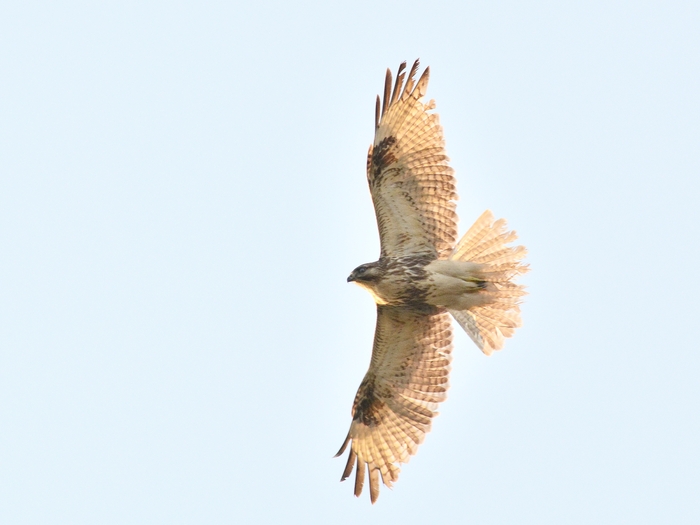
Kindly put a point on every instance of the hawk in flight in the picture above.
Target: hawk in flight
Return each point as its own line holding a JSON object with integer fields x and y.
{"x": 423, "y": 276}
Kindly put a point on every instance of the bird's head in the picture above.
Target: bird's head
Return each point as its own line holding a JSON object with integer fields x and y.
{"x": 366, "y": 273}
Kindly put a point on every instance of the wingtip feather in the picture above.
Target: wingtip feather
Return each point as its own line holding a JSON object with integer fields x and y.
{"x": 376, "y": 114}
{"x": 422, "y": 85}
{"x": 359, "y": 477}
{"x": 387, "y": 91}
{"x": 349, "y": 465}
{"x": 373, "y": 485}
{"x": 399, "y": 82}
{"x": 343, "y": 446}
{"x": 408, "y": 87}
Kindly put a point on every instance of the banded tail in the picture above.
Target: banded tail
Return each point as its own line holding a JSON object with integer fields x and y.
{"x": 486, "y": 244}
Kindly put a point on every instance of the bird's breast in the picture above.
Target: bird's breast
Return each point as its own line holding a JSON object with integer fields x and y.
{"x": 405, "y": 281}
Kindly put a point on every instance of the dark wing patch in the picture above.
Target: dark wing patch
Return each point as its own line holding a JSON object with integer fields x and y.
{"x": 368, "y": 402}
{"x": 382, "y": 156}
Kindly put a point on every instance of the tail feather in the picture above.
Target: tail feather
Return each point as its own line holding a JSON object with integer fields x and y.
{"x": 500, "y": 255}
{"x": 485, "y": 243}
{"x": 478, "y": 238}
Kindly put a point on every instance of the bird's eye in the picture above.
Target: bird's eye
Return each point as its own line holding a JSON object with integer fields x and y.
{"x": 361, "y": 269}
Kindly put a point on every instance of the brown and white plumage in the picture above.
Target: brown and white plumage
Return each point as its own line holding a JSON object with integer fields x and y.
{"x": 421, "y": 277}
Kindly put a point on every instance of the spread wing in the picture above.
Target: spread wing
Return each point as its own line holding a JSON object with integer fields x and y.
{"x": 412, "y": 185}
{"x": 398, "y": 397}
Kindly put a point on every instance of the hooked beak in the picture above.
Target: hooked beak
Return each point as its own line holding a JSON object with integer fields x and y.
{"x": 351, "y": 277}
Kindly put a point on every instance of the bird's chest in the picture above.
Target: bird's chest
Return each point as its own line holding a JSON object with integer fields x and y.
{"x": 405, "y": 282}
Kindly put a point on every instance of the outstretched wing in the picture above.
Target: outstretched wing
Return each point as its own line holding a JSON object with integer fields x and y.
{"x": 412, "y": 185}
{"x": 398, "y": 397}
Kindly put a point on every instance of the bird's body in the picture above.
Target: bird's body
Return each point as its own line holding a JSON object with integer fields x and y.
{"x": 423, "y": 280}
{"x": 421, "y": 277}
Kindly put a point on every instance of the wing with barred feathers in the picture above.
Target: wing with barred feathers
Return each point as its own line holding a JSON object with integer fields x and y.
{"x": 398, "y": 397}
{"x": 412, "y": 185}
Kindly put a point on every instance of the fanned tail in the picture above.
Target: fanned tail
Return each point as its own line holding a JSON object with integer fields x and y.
{"x": 486, "y": 243}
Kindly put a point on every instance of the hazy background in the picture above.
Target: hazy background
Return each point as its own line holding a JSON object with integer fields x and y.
{"x": 183, "y": 196}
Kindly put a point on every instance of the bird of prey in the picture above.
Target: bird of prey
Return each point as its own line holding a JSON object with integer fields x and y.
{"x": 421, "y": 278}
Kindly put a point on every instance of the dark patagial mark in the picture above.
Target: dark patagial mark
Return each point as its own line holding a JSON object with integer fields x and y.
{"x": 369, "y": 159}
{"x": 382, "y": 156}
{"x": 367, "y": 405}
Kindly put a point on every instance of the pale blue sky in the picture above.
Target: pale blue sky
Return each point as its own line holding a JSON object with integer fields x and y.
{"x": 183, "y": 196}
